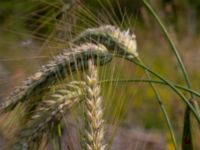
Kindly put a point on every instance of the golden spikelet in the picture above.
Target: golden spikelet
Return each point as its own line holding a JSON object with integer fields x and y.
{"x": 62, "y": 64}
{"x": 120, "y": 42}
{"x": 94, "y": 131}
{"x": 115, "y": 40}
{"x": 48, "y": 115}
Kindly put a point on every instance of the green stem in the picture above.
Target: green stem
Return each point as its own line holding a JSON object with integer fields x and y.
{"x": 187, "y": 140}
{"x": 171, "y": 43}
{"x": 59, "y": 136}
{"x": 162, "y": 106}
{"x": 184, "y": 72}
{"x": 153, "y": 81}
{"x": 53, "y": 144}
{"x": 131, "y": 59}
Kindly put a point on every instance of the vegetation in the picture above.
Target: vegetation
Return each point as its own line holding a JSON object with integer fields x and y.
{"x": 93, "y": 34}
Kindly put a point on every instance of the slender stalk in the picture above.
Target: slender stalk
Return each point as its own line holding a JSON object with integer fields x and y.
{"x": 53, "y": 144}
{"x": 195, "y": 93}
{"x": 184, "y": 72}
{"x": 130, "y": 58}
{"x": 187, "y": 140}
{"x": 59, "y": 136}
{"x": 171, "y": 43}
{"x": 162, "y": 106}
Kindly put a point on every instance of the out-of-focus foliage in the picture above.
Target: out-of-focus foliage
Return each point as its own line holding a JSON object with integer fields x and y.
{"x": 31, "y": 15}
{"x": 183, "y": 15}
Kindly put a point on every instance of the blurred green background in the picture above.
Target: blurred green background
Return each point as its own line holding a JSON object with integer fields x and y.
{"x": 32, "y": 31}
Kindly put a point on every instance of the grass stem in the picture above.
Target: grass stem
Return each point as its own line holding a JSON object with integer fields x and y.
{"x": 162, "y": 106}
{"x": 131, "y": 59}
{"x": 184, "y": 72}
{"x": 195, "y": 93}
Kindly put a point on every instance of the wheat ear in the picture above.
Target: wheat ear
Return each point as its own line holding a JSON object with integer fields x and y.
{"x": 62, "y": 65}
{"x": 48, "y": 114}
{"x": 93, "y": 131}
{"x": 115, "y": 40}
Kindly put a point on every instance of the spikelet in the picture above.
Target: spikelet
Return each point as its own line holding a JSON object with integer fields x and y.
{"x": 48, "y": 114}
{"x": 93, "y": 131}
{"x": 62, "y": 64}
{"x": 111, "y": 37}
{"x": 120, "y": 42}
